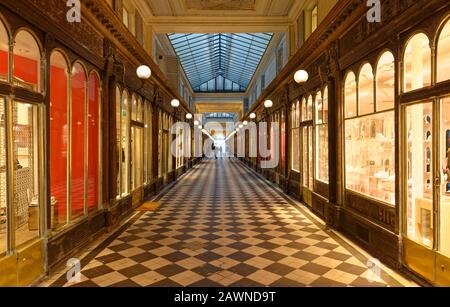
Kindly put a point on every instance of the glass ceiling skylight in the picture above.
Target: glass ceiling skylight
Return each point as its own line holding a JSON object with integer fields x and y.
{"x": 220, "y": 62}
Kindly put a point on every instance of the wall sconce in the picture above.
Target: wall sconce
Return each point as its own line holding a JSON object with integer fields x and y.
{"x": 252, "y": 116}
{"x": 189, "y": 116}
{"x": 144, "y": 72}
{"x": 268, "y": 104}
{"x": 175, "y": 103}
{"x": 301, "y": 76}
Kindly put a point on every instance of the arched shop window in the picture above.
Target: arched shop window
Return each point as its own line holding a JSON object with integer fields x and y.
{"x": 370, "y": 144}
{"x": 118, "y": 140}
{"x": 125, "y": 143}
{"x": 385, "y": 89}
{"x": 295, "y": 135}
{"x": 321, "y": 124}
{"x": 93, "y": 126}
{"x": 443, "y": 54}
{"x": 27, "y": 61}
{"x": 366, "y": 90}
{"x": 77, "y": 148}
{"x": 350, "y": 95}
{"x": 4, "y": 43}
{"x": 4, "y": 54}
{"x": 417, "y": 63}
{"x": 59, "y": 140}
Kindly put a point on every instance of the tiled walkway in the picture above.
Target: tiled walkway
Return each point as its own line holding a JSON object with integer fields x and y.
{"x": 221, "y": 225}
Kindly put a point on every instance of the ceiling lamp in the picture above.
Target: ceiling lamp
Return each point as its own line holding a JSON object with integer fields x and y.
{"x": 253, "y": 116}
{"x": 144, "y": 72}
{"x": 301, "y": 76}
{"x": 189, "y": 116}
{"x": 175, "y": 103}
{"x": 241, "y": 126}
{"x": 268, "y": 104}
{"x": 200, "y": 127}
{"x": 245, "y": 123}
{"x": 237, "y": 129}
{"x": 196, "y": 123}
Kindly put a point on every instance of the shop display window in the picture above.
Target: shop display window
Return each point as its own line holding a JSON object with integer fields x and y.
{"x": 4, "y": 59}
{"x": 385, "y": 89}
{"x": 321, "y": 123}
{"x": 445, "y": 176}
{"x": 137, "y": 141}
{"x": 370, "y": 138}
{"x": 118, "y": 141}
{"x": 77, "y": 150}
{"x": 125, "y": 146}
{"x": 417, "y": 63}
{"x": 147, "y": 142}
{"x": 350, "y": 95}
{"x": 3, "y": 183}
{"x": 419, "y": 121}
{"x": 295, "y": 134}
{"x": 27, "y": 60}
{"x": 26, "y": 172}
{"x": 366, "y": 90}
{"x": 443, "y": 54}
{"x": 93, "y": 183}
{"x": 370, "y": 156}
{"x": 59, "y": 140}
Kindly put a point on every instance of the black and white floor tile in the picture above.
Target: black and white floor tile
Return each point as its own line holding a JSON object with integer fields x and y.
{"x": 222, "y": 225}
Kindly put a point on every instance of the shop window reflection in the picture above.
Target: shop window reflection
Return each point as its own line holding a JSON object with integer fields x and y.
{"x": 26, "y": 172}
{"x": 295, "y": 135}
{"x": 417, "y": 63}
{"x": 350, "y": 95}
{"x": 27, "y": 60}
{"x": 419, "y": 180}
{"x": 366, "y": 90}
{"x": 93, "y": 183}
{"x": 321, "y": 134}
{"x": 125, "y": 146}
{"x": 3, "y": 183}
{"x": 59, "y": 139}
{"x": 445, "y": 176}
{"x": 77, "y": 149}
{"x": 118, "y": 141}
{"x": 4, "y": 59}
{"x": 443, "y": 54}
{"x": 385, "y": 90}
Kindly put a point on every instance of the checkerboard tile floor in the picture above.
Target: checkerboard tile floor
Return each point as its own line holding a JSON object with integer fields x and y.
{"x": 221, "y": 225}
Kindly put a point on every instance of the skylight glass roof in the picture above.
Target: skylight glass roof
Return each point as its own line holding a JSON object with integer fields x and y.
{"x": 220, "y": 62}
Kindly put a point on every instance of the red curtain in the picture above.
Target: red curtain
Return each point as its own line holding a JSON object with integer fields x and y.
{"x": 58, "y": 139}
{"x": 77, "y": 132}
{"x": 93, "y": 141}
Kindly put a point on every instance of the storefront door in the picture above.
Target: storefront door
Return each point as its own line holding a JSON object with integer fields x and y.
{"x": 426, "y": 189}
{"x": 22, "y": 248}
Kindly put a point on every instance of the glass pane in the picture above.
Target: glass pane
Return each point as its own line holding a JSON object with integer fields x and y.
{"x": 118, "y": 140}
{"x": 325, "y": 105}
{"x": 366, "y": 90}
{"x": 419, "y": 169}
{"x": 26, "y": 172}
{"x": 310, "y": 108}
{"x": 443, "y": 54}
{"x": 417, "y": 63}
{"x": 370, "y": 156}
{"x": 125, "y": 134}
{"x": 296, "y": 149}
{"x": 134, "y": 108}
{"x": 3, "y": 184}
{"x": 4, "y": 43}
{"x": 385, "y": 82}
{"x": 322, "y": 153}
{"x": 305, "y": 156}
{"x": 350, "y": 95}
{"x": 93, "y": 142}
{"x": 59, "y": 138}
{"x": 304, "y": 112}
{"x": 310, "y": 158}
{"x": 137, "y": 157}
{"x": 139, "y": 111}
{"x": 27, "y": 59}
{"x": 319, "y": 109}
{"x": 445, "y": 167}
{"x": 78, "y": 142}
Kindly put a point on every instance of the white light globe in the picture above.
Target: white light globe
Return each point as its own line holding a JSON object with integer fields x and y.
{"x": 241, "y": 126}
{"x": 189, "y": 116}
{"x": 237, "y": 129}
{"x": 196, "y": 123}
{"x": 301, "y": 76}
{"x": 144, "y": 72}
{"x": 200, "y": 127}
{"x": 175, "y": 103}
{"x": 253, "y": 116}
{"x": 268, "y": 103}
{"x": 245, "y": 123}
